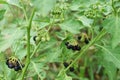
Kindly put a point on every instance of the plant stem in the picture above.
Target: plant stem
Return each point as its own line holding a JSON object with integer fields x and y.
{"x": 35, "y": 50}
{"x": 28, "y": 45}
{"x": 112, "y": 3}
{"x": 101, "y": 34}
{"x": 24, "y": 11}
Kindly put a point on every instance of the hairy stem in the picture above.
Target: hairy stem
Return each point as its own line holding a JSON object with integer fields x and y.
{"x": 28, "y": 45}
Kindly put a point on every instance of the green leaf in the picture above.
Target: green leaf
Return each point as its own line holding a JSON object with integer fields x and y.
{"x": 112, "y": 25}
{"x": 75, "y": 5}
{"x": 81, "y": 4}
{"x": 12, "y": 35}
{"x": 2, "y": 12}
{"x": 111, "y": 55}
{"x": 110, "y": 59}
{"x": 110, "y": 70}
{"x": 49, "y": 44}
{"x": 56, "y": 52}
{"x": 21, "y": 53}
{"x": 116, "y": 36}
{"x": 71, "y": 25}
{"x": 43, "y": 24}
{"x": 39, "y": 70}
{"x": 44, "y": 6}
{"x": 85, "y": 21}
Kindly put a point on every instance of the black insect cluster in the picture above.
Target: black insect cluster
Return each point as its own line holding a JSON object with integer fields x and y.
{"x": 76, "y": 44}
{"x": 73, "y": 47}
{"x": 13, "y": 63}
{"x": 86, "y": 40}
{"x": 66, "y": 65}
{"x": 34, "y": 38}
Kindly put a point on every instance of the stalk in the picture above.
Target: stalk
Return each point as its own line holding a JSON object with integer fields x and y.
{"x": 28, "y": 45}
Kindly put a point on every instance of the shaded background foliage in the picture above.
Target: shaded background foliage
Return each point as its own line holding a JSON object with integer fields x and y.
{"x": 62, "y": 20}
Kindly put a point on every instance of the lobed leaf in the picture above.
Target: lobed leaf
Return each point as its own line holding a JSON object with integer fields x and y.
{"x": 112, "y": 25}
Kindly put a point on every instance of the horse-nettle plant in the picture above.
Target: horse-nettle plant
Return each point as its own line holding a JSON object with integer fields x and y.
{"x": 59, "y": 39}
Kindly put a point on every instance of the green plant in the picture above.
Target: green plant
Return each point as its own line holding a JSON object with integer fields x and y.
{"x": 59, "y": 39}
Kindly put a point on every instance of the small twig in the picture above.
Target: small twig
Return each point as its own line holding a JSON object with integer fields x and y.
{"x": 35, "y": 50}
